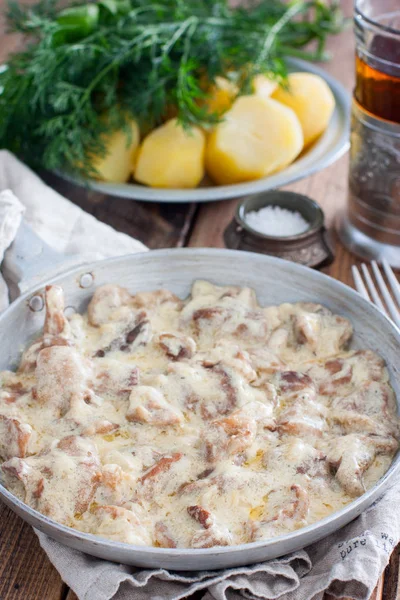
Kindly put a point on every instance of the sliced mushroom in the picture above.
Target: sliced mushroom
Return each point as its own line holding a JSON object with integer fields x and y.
{"x": 228, "y": 436}
{"x": 148, "y": 405}
{"x": 15, "y": 437}
{"x": 177, "y": 347}
{"x": 106, "y": 303}
{"x": 42, "y": 478}
{"x": 61, "y": 373}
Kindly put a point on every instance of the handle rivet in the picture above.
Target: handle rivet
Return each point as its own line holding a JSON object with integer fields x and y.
{"x": 86, "y": 280}
{"x": 36, "y": 303}
{"x": 69, "y": 311}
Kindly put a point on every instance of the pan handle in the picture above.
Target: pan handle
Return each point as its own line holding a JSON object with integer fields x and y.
{"x": 29, "y": 261}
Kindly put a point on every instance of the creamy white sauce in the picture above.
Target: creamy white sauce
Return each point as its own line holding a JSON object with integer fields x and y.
{"x": 209, "y": 421}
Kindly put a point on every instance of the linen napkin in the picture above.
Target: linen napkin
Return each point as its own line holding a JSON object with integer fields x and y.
{"x": 348, "y": 563}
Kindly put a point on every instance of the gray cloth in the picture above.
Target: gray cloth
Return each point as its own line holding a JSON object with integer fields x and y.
{"x": 347, "y": 563}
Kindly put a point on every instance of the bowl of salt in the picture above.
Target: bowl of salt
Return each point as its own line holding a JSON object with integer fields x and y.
{"x": 283, "y": 224}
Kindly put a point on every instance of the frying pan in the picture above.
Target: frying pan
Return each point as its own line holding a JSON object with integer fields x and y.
{"x": 275, "y": 281}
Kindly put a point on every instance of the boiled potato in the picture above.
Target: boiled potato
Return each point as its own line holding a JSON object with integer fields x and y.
{"x": 116, "y": 165}
{"x": 221, "y": 95}
{"x": 171, "y": 157}
{"x": 257, "y": 137}
{"x": 311, "y": 99}
{"x": 264, "y": 86}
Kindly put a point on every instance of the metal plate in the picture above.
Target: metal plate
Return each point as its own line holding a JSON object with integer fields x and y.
{"x": 329, "y": 147}
{"x": 275, "y": 281}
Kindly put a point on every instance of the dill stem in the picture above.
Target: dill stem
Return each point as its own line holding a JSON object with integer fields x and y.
{"x": 137, "y": 64}
{"x": 275, "y": 29}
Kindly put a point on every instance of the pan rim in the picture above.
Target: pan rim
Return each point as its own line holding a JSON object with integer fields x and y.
{"x": 362, "y": 501}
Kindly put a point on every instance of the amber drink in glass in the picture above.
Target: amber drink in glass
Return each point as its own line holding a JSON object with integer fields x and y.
{"x": 371, "y": 224}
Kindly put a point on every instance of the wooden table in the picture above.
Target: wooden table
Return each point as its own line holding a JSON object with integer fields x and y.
{"x": 25, "y": 571}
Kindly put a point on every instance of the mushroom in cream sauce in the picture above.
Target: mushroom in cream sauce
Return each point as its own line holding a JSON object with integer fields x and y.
{"x": 205, "y": 422}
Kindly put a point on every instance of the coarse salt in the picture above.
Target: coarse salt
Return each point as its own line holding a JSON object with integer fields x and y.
{"x": 277, "y": 221}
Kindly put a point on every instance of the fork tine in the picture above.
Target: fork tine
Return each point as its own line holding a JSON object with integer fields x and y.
{"x": 358, "y": 282}
{"x": 394, "y": 284}
{"x": 394, "y": 313}
{"x": 372, "y": 289}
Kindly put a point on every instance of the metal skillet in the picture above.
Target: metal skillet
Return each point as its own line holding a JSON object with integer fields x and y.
{"x": 275, "y": 281}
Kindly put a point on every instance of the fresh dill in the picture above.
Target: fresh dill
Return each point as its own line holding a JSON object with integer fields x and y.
{"x": 134, "y": 59}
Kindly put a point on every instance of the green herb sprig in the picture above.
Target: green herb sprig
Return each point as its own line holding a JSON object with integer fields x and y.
{"x": 88, "y": 69}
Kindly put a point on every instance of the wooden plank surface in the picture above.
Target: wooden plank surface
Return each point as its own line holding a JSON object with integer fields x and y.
{"x": 25, "y": 571}
{"x": 156, "y": 225}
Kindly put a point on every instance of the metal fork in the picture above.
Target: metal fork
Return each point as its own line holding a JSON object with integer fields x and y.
{"x": 390, "y": 310}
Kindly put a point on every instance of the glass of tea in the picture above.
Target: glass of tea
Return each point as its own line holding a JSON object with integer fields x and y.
{"x": 371, "y": 224}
